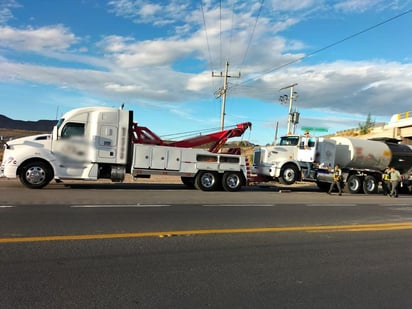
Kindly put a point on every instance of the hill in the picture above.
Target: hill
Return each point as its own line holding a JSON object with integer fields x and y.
{"x": 40, "y": 125}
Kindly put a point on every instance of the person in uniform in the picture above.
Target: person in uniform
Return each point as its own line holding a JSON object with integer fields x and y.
{"x": 386, "y": 184}
{"x": 395, "y": 179}
{"x": 337, "y": 178}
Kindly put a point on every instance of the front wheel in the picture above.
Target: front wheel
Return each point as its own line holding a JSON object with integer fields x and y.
{"x": 232, "y": 181}
{"x": 36, "y": 175}
{"x": 288, "y": 174}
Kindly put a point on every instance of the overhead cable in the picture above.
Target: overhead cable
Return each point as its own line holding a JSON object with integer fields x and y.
{"x": 326, "y": 47}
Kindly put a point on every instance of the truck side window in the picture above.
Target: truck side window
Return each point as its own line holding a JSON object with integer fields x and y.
{"x": 73, "y": 129}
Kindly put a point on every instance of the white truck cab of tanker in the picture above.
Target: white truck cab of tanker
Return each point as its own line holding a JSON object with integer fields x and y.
{"x": 293, "y": 158}
{"x": 80, "y": 139}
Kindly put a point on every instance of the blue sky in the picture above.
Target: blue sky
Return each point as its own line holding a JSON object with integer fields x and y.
{"x": 157, "y": 57}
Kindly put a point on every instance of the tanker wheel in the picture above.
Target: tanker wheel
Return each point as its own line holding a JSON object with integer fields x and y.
{"x": 289, "y": 174}
{"x": 207, "y": 181}
{"x": 35, "y": 175}
{"x": 189, "y": 182}
{"x": 232, "y": 181}
{"x": 370, "y": 185}
{"x": 354, "y": 184}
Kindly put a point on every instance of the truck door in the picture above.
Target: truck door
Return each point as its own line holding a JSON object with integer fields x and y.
{"x": 307, "y": 149}
{"x": 71, "y": 149}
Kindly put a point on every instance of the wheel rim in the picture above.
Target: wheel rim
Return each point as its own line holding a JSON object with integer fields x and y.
{"x": 354, "y": 184}
{"x": 207, "y": 180}
{"x": 289, "y": 175}
{"x": 370, "y": 185}
{"x": 233, "y": 181}
{"x": 35, "y": 175}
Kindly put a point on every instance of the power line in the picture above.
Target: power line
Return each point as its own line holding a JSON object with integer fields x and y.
{"x": 326, "y": 47}
{"x": 207, "y": 37}
{"x": 220, "y": 29}
{"x": 231, "y": 31}
{"x": 253, "y": 32}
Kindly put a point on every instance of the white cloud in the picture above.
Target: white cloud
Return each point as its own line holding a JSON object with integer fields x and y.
{"x": 6, "y": 7}
{"x": 40, "y": 39}
{"x": 146, "y": 70}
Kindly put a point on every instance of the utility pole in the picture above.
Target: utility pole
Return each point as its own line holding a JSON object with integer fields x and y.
{"x": 292, "y": 97}
{"x": 221, "y": 92}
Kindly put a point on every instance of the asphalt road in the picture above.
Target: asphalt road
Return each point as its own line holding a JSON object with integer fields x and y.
{"x": 162, "y": 246}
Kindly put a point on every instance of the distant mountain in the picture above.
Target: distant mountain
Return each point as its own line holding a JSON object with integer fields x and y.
{"x": 40, "y": 125}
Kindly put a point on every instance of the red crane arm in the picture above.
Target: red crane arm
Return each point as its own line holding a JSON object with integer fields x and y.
{"x": 143, "y": 135}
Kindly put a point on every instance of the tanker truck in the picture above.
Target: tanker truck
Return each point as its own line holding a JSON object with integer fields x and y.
{"x": 299, "y": 158}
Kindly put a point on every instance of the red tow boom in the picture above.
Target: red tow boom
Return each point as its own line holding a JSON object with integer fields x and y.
{"x": 143, "y": 135}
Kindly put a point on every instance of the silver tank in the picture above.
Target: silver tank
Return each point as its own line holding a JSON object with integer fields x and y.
{"x": 362, "y": 154}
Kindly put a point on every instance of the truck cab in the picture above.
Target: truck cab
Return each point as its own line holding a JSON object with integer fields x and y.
{"x": 92, "y": 143}
{"x": 86, "y": 143}
{"x": 295, "y": 157}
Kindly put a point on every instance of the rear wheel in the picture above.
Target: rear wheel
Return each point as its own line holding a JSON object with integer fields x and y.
{"x": 289, "y": 174}
{"x": 36, "y": 175}
{"x": 370, "y": 185}
{"x": 232, "y": 181}
{"x": 354, "y": 184}
{"x": 207, "y": 181}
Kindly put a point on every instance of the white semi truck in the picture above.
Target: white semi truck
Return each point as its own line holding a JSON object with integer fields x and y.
{"x": 362, "y": 161}
{"x": 101, "y": 142}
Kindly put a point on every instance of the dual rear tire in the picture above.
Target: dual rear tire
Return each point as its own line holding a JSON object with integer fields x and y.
{"x": 368, "y": 185}
{"x": 213, "y": 181}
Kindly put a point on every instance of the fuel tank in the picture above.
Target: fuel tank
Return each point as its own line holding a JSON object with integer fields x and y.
{"x": 362, "y": 154}
{"x": 401, "y": 157}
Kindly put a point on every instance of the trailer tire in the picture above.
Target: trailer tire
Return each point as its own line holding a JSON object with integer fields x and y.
{"x": 289, "y": 174}
{"x": 354, "y": 184}
{"x": 189, "y": 182}
{"x": 232, "y": 181}
{"x": 207, "y": 181}
{"x": 370, "y": 185}
{"x": 36, "y": 174}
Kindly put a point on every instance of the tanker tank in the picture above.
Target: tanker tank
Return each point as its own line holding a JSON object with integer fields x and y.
{"x": 362, "y": 154}
{"x": 401, "y": 157}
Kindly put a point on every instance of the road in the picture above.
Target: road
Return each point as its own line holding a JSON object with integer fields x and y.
{"x": 162, "y": 246}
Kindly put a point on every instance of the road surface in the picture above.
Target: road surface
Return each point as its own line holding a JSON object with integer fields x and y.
{"x": 163, "y": 246}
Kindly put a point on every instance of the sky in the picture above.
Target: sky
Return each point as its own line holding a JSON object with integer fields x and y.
{"x": 164, "y": 60}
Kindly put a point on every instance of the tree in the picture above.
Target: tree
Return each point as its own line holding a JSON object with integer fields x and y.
{"x": 366, "y": 127}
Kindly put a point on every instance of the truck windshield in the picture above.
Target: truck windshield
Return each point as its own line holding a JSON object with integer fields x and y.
{"x": 289, "y": 140}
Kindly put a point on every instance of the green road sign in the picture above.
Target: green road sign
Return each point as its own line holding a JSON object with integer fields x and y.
{"x": 314, "y": 129}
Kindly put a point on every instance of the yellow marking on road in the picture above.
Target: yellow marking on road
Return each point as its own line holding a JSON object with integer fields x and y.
{"x": 312, "y": 229}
